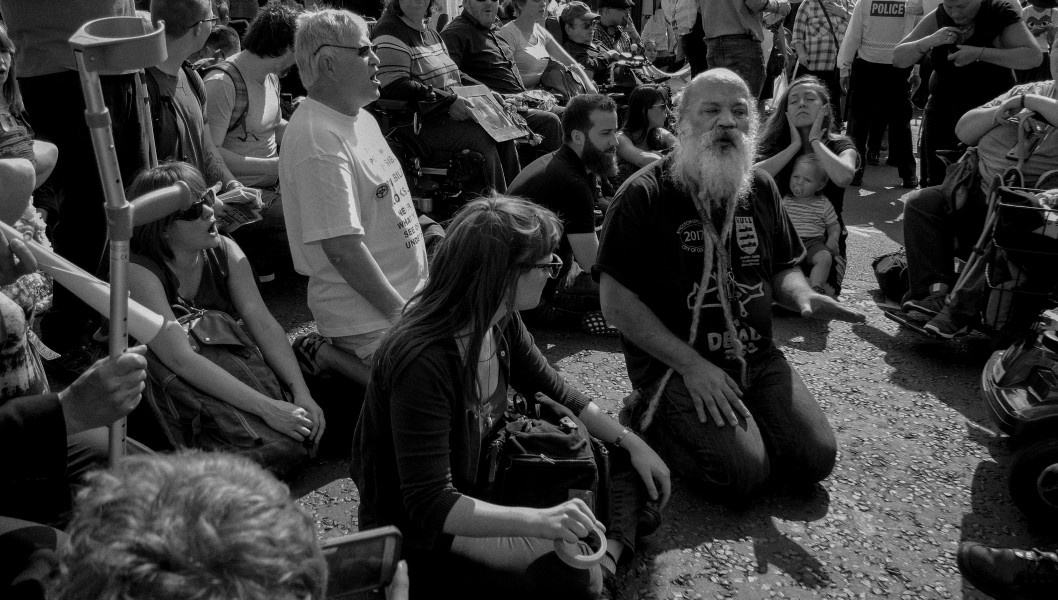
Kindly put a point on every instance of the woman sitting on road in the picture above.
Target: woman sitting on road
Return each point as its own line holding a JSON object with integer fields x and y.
{"x": 181, "y": 261}
{"x": 534, "y": 47}
{"x": 414, "y": 65}
{"x": 644, "y": 139}
{"x": 804, "y": 128}
{"x": 441, "y": 378}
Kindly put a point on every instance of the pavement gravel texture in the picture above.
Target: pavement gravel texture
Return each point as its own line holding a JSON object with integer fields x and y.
{"x": 921, "y": 466}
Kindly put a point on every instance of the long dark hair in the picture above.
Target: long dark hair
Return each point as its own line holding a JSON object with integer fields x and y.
{"x": 11, "y": 92}
{"x": 475, "y": 271}
{"x": 149, "y": 239}
{"x": 640, "y": 101}
{"x": 776, "y": 133}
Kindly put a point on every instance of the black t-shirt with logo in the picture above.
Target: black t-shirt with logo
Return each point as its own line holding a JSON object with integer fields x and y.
{"x": 653, "y": 244}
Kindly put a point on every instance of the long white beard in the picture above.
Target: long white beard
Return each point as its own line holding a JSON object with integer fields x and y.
{"x": 716, "y": 165}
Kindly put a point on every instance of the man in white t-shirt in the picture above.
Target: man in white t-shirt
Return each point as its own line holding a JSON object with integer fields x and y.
{"x": 350, "y": 221}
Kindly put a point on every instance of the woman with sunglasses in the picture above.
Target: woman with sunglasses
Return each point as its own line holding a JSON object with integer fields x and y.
{"x": 182, "y": 261}
{"x": 441, "y": 379}
{"x": 644, "y": 139}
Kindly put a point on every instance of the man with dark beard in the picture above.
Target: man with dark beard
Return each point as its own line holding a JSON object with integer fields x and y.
{"x": 720, "y": 404}
{"x": 565, "y": 182}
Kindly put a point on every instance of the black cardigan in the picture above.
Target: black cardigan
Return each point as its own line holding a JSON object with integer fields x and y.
{"x": 417, "y": 445}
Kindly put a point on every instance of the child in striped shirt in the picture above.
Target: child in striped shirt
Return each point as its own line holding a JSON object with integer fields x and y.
{"x": 814, "y": 219}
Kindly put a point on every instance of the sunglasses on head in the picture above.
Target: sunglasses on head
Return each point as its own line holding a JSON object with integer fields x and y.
{"x": 194, "y": 212}
{"x": 553, "y": 268}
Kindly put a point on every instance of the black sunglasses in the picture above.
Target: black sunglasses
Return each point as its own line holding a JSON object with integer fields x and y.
{"x": 194, "y": 212}
{"x": 553, "y": 268}
{"x": 361, "y": 51}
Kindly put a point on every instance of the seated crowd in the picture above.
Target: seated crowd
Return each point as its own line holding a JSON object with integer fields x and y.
{"x": 674, "y": 221}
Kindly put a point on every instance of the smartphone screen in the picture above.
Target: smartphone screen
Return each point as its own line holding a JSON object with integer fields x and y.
{"x": 361, "y": 561}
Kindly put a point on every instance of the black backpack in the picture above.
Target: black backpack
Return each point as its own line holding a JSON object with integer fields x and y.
{"x": 542, "y": 462}
{"x": 891, "y": 272}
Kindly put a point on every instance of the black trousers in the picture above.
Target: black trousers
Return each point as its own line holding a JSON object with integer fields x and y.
{"x": 55, "y": 104}
{"x": 880, "y": 96}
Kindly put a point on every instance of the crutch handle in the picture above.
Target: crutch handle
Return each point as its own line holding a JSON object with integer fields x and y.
{"x": 115, "y": 45}
{"x": 160, "y": 203}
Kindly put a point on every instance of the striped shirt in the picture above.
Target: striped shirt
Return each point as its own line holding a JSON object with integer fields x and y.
{"x": 407, "y": 49}
{"x": 810, "y": 216}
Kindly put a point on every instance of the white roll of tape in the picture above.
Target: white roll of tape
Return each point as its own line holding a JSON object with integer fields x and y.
{"x": 571, "y": 553}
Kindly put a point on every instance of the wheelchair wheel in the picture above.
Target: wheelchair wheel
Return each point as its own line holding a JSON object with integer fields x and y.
{"x": 1034, "y": 480}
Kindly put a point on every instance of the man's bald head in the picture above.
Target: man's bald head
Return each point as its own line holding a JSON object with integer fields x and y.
{"x": 718, "y": 80}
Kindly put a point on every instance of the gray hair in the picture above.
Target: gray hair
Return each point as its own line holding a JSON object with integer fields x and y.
{"x": 318, "y": 27}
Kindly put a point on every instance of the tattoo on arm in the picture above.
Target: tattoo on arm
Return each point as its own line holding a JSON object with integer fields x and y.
{"x": 214, "y": 168}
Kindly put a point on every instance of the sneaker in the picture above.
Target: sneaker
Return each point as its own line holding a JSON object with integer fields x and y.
{"x": 930, "y": 305}
{"x": 1002, "y": 573}
{"x": 944, "y": 326}
{"x": 857, "y": 179}
{"x": 874, "y": 158}
{"x": 910, "y": 183}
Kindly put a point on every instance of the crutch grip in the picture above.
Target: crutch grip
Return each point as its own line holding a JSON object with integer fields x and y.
{"x": 160, "y": 203}
{"x": 114, "y": 45}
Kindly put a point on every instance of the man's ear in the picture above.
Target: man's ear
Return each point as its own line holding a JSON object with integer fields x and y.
{"x": 577, "y": 137}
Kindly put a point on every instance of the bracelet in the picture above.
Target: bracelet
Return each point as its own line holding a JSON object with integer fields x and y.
{"x": 919, "y": 48}
{"x": 620, "y": 436}
{"x": 814, "y": 140}
{"x": 231, "y": 185}
{"x": 981, "y": 55}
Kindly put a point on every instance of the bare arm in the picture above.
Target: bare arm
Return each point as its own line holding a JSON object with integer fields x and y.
{"x": 213, "y": 166}
{"x": 354, "y": 262}
{"x": 270, "y": 337}
{"x": 629, "y": 152}
{"x": 17, "y": 180}
{"x": 909, "y": 51}
{"x": 793, "y": 292}
{"x": 46, "y": 155}
{"x": 175, "y": 352}
{"x": 585, "y": 249}
{"x": 711, "y": 389}
{"x": 840, "y": 168}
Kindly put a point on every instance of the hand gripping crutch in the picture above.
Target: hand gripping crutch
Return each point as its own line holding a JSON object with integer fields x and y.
{"x": 112, "y": 46}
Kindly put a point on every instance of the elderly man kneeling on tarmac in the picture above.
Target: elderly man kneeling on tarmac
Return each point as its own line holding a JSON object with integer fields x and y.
{"x": 720, "y": 404}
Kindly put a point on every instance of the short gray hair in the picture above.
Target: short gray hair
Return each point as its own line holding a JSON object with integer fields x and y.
{"x": 318, "y": 27}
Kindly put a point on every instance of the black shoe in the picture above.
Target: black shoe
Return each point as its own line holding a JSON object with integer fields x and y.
{"x": 910, "y": 182}
{"x": 609, "y": 586}
{"x": 857, "y": 179}
{"x": 1016, "y": 574}
{"x": 930, "y": 305}
{"x": 874, "y": 158}
{"x": 649, "y": 520}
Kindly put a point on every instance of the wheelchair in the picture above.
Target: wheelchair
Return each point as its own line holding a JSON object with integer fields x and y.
{"x": 437, "y": 181}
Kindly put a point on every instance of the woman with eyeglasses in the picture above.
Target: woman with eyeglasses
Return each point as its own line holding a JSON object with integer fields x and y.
{"x": 442, "y": 378}
{"x": 644, "y": 139}
{"x": 181, "y": 262}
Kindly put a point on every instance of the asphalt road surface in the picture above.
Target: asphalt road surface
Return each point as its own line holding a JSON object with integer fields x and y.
{"x": 921, "y": 465}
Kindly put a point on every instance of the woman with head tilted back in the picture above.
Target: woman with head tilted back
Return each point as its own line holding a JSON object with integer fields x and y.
{"x": 804, "y": 128}
{"x": 441, "y": 379}
{"x": 181, "y": 263}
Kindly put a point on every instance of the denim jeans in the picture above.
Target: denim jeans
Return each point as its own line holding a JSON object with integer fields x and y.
{"x": 930, "y": 235}
{"x": 786, "y": 439}
{"x": 741, "y": 54}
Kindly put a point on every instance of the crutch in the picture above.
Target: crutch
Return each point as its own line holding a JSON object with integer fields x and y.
{"x": 112, "y": 46}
